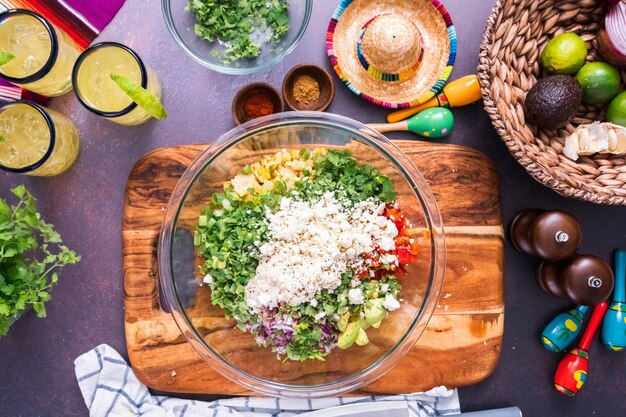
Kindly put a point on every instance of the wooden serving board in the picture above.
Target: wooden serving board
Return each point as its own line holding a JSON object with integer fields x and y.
{"x": 462, "y": 343}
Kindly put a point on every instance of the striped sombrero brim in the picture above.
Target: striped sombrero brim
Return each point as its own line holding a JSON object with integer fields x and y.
{"x": 439, "y": 36}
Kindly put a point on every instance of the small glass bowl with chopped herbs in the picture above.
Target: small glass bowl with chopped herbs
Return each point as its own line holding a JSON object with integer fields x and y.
{"x": 235, "y": 37}
{"x": 302, "y": 254}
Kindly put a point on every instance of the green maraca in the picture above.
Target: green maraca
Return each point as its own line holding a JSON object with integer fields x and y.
{"x": 435, "y": 122}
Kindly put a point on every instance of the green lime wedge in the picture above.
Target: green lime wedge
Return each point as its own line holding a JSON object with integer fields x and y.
{"x": 5, "y": 57}
{"x": 141, "y": 96}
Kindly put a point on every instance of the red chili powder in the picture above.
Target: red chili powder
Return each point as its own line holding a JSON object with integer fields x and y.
{"x": 258, "y": 105}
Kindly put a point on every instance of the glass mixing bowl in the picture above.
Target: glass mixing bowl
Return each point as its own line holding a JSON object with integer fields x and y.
{"x": 181, "y": 25}
{"x": 235, "y": 354}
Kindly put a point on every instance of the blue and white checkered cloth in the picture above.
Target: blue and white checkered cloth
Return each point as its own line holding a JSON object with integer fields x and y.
{"x": 111, "y": 389}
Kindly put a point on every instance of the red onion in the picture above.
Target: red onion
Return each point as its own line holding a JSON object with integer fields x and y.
{"x": 612, "y": 35}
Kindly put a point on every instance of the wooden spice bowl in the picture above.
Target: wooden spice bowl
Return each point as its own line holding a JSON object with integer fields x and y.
{"x": 239, "y": 114}
{"x": 319, "y": 74}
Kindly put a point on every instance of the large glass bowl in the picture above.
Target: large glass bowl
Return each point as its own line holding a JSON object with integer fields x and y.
{"x": 181, "y": 23}
{"x": 235, "y": 354}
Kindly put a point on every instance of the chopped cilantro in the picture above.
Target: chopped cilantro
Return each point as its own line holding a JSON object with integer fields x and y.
{"x": 233, "y": 22}
{"x": 340, "y": 172}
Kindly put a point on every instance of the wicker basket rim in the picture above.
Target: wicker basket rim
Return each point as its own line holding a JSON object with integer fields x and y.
{"x": 528, "y": 160}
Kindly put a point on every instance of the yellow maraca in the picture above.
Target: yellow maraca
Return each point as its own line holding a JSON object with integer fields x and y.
{"x": 457, "y": 93}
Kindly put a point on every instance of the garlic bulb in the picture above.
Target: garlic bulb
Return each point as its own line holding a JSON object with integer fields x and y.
{"x": 595, "y": 138}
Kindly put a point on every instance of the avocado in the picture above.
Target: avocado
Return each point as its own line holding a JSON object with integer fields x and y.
{"x": 374, "y": 311}
{"x": 364, "y": 324}
{"x": 349, "y": 336}
{"x": 553, "y": 101}
{"x": 343, "y": 321}
{"x": 362, "y": 339}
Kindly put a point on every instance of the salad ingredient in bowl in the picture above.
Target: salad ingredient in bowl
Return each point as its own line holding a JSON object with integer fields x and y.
{"x": 283, "y": 220}
{"x": 304, "y": 249}
{"x": 240, "y": 26}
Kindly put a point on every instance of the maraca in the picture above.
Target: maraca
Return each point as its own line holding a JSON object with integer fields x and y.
{"x": 614, "y": 324}
{"x": 457, "y": 93}
{"x": 432, "y": 123}
{"x": 563, "y": 329}
{"x": 572, "y": 370}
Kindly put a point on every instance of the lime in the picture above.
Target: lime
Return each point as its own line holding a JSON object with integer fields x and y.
{"x": 141, "y": 96}
{"x": 564, "y": 54}
{"x": 600, "y": 82}
{"x": 5, "y": 57}
{"x": 616, "y": 112}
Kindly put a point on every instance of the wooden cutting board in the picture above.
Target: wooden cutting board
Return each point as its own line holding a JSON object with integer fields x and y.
{"x": 462, "y": 343}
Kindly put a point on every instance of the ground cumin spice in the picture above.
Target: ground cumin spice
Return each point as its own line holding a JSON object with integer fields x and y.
{"x": 258, "y": 105}
{"x": 306, "y": 89}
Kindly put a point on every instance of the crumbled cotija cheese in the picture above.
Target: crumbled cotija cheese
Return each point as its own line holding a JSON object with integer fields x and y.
{"x": 311, "y": 245}
{"x": 391, "y": 303}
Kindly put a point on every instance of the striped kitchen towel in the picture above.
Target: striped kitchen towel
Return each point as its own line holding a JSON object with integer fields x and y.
{"x": 82, "y": 20}
{"x": 110, "y": 389}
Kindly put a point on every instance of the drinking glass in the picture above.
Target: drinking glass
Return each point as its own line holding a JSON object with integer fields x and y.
{"x": 35, "y": 140}
{"x": 44, "y": 54}
{"x": 95, "y": 89}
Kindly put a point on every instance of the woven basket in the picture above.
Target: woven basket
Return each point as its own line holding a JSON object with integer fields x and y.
{"x": 509, "y": 66}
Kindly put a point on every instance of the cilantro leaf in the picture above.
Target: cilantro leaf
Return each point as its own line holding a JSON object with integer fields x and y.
{"x": 31, "y": 256}
{"x": 234, "y": 22}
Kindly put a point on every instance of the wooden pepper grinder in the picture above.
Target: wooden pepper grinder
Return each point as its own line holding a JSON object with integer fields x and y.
{"x": 552, "y": 235}
{"x": 585, "y": 279}
{"x": 572, "y": 370}
{"x": 614, "y": 324}
{"x": 563, "y": 329}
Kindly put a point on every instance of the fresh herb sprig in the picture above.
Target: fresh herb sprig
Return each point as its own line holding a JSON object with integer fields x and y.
{"x": 31, "y": 257}
{"x": 234, "y": 21}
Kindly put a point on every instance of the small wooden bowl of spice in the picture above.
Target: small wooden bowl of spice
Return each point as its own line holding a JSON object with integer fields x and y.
{"x": 256, "y": 100}
{"x": 308, "y": 87}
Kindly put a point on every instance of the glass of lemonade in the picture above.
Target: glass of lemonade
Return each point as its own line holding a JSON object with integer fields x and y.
{"x": 35, "y": 140}
{"x": 100, "y": 94}
{"x": 44, "y": 54}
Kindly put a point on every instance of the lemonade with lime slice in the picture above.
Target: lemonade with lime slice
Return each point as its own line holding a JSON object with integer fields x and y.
{"x": 35, "y": 54}
{"x": 99, "y": 92}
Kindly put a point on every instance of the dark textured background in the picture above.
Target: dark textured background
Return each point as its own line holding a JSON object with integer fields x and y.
{"x": 36, "y": 359}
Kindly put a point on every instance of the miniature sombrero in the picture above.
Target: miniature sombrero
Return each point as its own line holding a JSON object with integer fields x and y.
{"x": 394, "y": 53}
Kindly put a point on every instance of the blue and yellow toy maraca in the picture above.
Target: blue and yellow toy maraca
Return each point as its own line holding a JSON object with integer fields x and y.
{"x": 614, "y": 324}
{"x": 563, "y": 329}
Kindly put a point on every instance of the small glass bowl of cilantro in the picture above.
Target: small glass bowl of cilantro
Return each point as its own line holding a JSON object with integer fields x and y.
{"x": 235, "y": 36}
{"x": 212, "y": 238}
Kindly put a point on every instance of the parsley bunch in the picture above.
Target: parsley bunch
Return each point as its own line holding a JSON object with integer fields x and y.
{"x": 234, "y": 21}
{"x": 31, "y": 256}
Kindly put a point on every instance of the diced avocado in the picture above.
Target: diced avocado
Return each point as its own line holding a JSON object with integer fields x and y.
{"x": 349, "y": 336}
{"x": 362, "y": 339}
{"x": 372, "y": 289}
{"x": 343, "y": 321}
{"x": 376, "y": 325}
{"x": 364, "y": 324}
{"x": 374, "y": 311}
